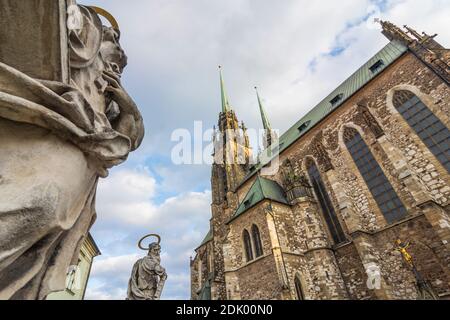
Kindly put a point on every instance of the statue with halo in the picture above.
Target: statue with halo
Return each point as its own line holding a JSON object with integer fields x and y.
{"x": 148, "y": 276}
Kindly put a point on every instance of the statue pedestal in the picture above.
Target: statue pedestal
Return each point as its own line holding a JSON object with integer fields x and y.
{"x": 33, "y": 38}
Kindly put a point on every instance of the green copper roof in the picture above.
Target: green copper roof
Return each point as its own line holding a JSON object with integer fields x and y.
{"x": 208, "y": 237}
{"x": 225, "y": 103}
{"x": 264, "y": 118}
{"x": 261, "y": 189}
{"x": 390, "y": 53}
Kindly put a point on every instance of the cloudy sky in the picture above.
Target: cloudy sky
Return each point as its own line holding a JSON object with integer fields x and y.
{"x": 296, "y": 51}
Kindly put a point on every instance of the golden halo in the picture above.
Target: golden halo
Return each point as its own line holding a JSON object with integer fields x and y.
{"x": 149, "y": 235}
{"x": 108, "y": 16}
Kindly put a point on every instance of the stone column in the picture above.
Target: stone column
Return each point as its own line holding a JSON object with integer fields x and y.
{"x": 278, "y": 257}
{"x": 367, "y": 253}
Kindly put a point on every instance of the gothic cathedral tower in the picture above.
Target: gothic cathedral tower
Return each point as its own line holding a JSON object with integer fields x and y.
{"x": 232, "y": 151}
{"x": 232, "y": 155}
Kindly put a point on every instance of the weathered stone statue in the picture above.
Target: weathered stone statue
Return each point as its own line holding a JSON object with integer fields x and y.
{"x": 147, "y": 277}
{"x": 57, "y": 138}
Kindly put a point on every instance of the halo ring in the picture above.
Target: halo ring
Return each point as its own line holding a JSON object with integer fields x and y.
{"x": 149, "y": 235}
{"x": 108, "y": 16}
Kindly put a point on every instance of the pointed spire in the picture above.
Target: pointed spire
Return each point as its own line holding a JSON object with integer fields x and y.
{"x": 264, "y": 118}
{"x": 225, "y": 103}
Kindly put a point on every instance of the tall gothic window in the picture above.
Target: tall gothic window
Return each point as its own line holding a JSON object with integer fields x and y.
{"x": 298, "y": 288}
{"x": 247, "y": 246}
{"x": 381, "y": 189}
{"x": 434, "y": 134}
{"x": 257, "y": 241}
{"x": 328, "y": 211}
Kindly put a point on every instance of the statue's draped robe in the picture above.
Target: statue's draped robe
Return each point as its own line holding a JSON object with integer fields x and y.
{"x": 55, "y": 141}
{"x": 146, "y": 275}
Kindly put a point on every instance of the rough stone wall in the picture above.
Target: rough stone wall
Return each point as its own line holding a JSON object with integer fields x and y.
{"x": 425, "y": 247}
{"x": 194, "y": 279}
{"x": 289, "y": 228}
{"x": 353, "y": 273}
{"x": 201, "y": 267}
{"x": 259, "y": 278}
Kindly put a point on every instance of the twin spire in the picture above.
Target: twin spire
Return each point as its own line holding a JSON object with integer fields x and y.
{"x": 226, "y": 105}
{"x": 264, "y": 118}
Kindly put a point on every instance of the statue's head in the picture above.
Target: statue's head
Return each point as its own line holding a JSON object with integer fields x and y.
{"x": 111, "y": 51}
{"x": 154, "y": 249}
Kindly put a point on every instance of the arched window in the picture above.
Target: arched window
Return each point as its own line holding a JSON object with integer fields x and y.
{"x": 328, "y": 211}
{"x": 298, "y": 288}
{"x": 247, "y": 246}
{"x": 434, "y": 134}
{"x": 257, "y": 241}
{"x": 382, "y": 191}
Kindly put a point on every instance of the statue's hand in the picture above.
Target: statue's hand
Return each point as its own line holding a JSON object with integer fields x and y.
{"x": 119, "y": 94}
{"x": 130, "y": 121}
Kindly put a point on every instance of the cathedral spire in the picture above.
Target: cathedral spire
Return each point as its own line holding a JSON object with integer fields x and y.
{"x": 225, "y": 103}
{"x": 270, "y": 135}
{"x": 264, "y": 118}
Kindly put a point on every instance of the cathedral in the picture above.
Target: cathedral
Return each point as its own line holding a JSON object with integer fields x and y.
{"x": 359, "y": 207}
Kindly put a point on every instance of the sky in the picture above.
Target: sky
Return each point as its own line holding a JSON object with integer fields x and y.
{"x": 295, "y": 51}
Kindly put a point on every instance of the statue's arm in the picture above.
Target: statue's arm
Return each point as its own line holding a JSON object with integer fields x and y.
{"x": 130, "y": 122}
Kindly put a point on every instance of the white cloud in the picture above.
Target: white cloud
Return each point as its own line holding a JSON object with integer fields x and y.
{"x": 127, "y": 210}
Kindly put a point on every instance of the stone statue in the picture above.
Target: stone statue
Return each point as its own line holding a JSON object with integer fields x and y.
{"x": 147, "y": 277}
{"x": 56, "y": 139}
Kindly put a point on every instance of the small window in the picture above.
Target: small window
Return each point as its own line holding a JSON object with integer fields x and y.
{"x": 257, "y": 241}
{"x": 336, "y": 99}
{"x": 247, "y": 246}
{"x": 304, "y": 125}
{"x": 298, "y": 288}
{"x": 377, "y": 66}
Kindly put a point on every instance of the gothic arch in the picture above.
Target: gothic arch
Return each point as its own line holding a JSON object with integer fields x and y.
{"x": 425, "y": 98}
